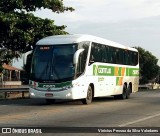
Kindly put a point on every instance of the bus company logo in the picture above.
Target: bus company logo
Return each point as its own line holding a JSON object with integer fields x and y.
{"x": 101, "y": 70}
{"x": 49, "y": 86}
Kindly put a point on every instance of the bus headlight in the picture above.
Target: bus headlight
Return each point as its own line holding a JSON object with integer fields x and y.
{"x": 32, "y": 94}
{"x": 68, "y": 95}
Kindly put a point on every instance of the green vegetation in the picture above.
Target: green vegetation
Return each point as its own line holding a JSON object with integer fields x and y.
{"x": 149, "y": 69}
{"x": 20, "y": 29}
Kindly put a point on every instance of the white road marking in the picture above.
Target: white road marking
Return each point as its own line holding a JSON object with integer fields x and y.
{"x": 139, "y": 120}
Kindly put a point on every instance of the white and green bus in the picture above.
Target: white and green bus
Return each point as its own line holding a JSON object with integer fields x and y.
{"x": 81, "y": 67}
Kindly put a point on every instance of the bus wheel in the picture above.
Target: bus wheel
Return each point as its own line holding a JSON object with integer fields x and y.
{"x": 128, "y": 92}
{"x": 50, "y": 101}
{"x": 88, "y": 99}
{"x": 124, "y": 94}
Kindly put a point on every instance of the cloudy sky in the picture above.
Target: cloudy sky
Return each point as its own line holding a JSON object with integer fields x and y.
{"x": 128, "y": 22}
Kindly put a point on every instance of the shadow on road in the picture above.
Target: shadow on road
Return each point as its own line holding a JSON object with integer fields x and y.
{"x": 42, "y": 102}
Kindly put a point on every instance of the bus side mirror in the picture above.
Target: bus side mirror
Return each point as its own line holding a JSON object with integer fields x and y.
{"x": 76, "y": 56}
{"x": 25, "y": 57}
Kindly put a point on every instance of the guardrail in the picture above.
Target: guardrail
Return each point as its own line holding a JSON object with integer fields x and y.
{"x": 14, "y": 89}
{"x": 22, "y": 90}
{"x": 144, "y": 86}
{"x": 149, "y": 86}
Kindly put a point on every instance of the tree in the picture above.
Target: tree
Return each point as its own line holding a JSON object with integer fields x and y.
{"x": 20, "y": 29}
{"x": 149, "y": 69}
{"x": 6, "y": 56}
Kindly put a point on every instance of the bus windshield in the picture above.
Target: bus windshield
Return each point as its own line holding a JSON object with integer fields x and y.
{"x": 53, "y": 63}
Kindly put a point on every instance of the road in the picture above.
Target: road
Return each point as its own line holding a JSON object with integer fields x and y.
{"x": 141, "y": 110}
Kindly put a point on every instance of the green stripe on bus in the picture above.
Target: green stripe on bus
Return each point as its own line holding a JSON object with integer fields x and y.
{"x": 120, "y": 71}
{"x": 117, "y": 80}
{"x": 100, "y": 70}
{"x": 132, "y": 72}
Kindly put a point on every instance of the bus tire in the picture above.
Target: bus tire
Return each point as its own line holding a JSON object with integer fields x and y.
{"x": 128, "y": 92}
{"x": 124, "y": 94}
{"x": 89, "y": 97}
{"x": 50, "y": 101}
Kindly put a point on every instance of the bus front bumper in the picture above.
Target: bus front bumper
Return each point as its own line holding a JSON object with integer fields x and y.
{"x": 71, "y": 93}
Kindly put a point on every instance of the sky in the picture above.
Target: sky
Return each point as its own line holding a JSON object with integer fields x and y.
{"x": 128, "y": 22}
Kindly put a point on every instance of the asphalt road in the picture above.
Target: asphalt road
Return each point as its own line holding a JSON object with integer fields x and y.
{"x": 141, "y": 110}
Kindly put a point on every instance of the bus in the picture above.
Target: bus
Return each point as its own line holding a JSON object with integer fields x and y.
{"x": 81, "y": 67}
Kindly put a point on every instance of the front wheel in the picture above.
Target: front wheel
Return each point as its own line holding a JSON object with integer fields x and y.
{"x": 89, "y": 97}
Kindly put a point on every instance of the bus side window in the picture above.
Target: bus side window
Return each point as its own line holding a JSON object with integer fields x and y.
{"x": 80, "y": 65}
{"x": 135, "y": 58}
{"x": 82, "y": 58}
{"x": 132, "y": 58}
{"x": 121, "y": 58}
{"x": 110, "y": 59}
{"x": 126, "y": 57}
{"x": 118, "y": 59}
{"x": 104, "y": 53}
{"x": 94, "y": 56}
{"x": 114, "y": 55}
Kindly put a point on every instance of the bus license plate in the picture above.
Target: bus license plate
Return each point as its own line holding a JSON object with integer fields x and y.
{"x": 49, "y": 95}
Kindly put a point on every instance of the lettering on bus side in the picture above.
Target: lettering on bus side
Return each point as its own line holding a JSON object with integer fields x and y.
{"x": 132, "y": 72}
{"x": 103, "y": 70}
{"x": 135, "y": 72}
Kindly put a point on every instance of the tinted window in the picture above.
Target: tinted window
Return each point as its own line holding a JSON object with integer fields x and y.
{"x": 108, "y": 54}
{"x": 53, "y": 63}
{"x": 82, "y": 58}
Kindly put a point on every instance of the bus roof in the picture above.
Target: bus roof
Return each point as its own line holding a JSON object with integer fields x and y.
{"x": 76, "y": 38}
